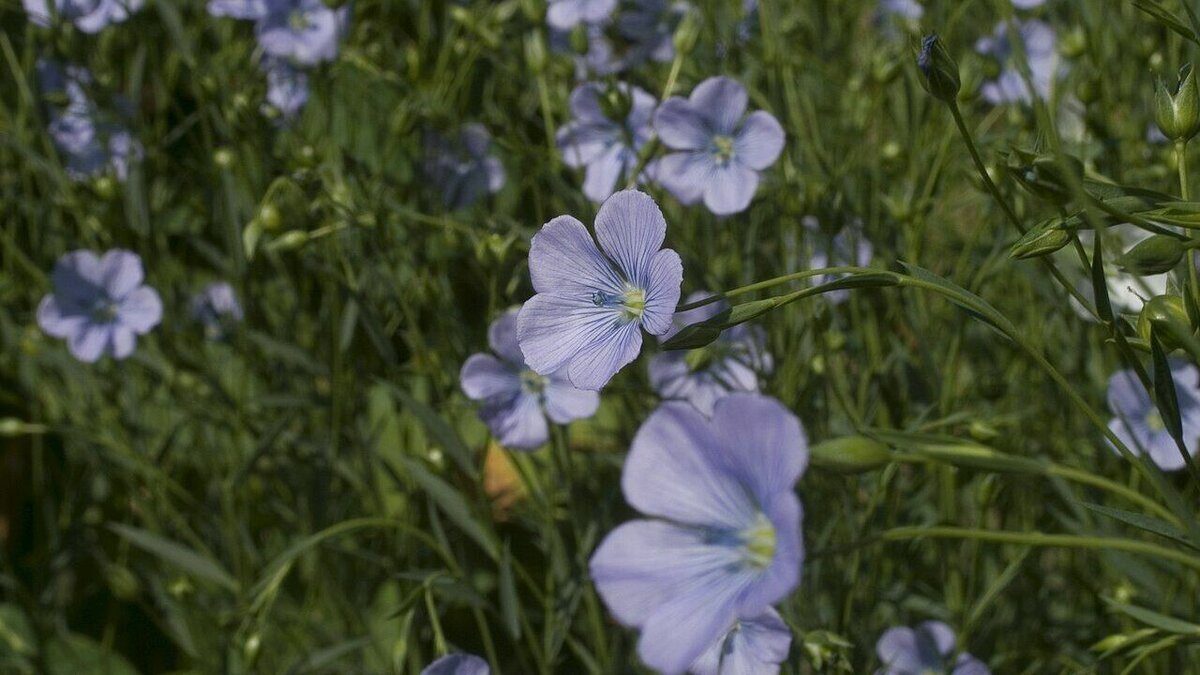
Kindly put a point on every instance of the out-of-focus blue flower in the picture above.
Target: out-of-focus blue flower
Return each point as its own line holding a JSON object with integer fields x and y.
{"x": 463, "y": 166}
{"x": 516, "y": 400}
{"x": 722, "y": 541}
{"x": 592, "y": 303}
{"x": 88, "y": 145}
{"x": 458, "y": 664}
{"x": 721, "y": 153}
{"x": 566, "y": 14}
{"x": 1027, "y": 4}
{"x": 99, "y": 304}
{"x": 1136, "y": 420}
{"x": 89, "y": 16}
{"x": 250, "y": 10}
{"x": 305, "y": 32}
{"x": 752, "y": 646}
{"x": 905, "y": 9}
{"x": 606, "y": 147}
{"x": 216, "y": 307}
{"x": 924, "y": 649}
{"x": 848, "y": 248}
{"x": 704, "y": 376}
{"x": 287, "y": 87}
{"x": 648, "y": 27}
{"x": 1126, "y": 292}
{"x": 1039, "y": 40}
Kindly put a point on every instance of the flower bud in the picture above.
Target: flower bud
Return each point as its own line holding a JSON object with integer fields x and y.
{"x": 1043, "y": 239}
{"x": 850, "y": 454}
{"x": 939, "y": 70}
{"x": 1178, "y": 112}
{"x": 535, "y": 53}
{"x": 223, "y": 158}
{"x": 1156, "y": 254}
{"x": 578, "y": 39}
{"x": 687, "y": 33}
{"x": 289, "y": 241}
{"x": 1166, "y": 317}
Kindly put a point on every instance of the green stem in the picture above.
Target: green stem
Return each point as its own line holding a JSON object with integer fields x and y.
{"x": 774, "y": 281}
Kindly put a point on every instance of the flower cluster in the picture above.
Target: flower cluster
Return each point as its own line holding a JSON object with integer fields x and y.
{"x": 89, "y": 141}
{"x": 89, "y": 16}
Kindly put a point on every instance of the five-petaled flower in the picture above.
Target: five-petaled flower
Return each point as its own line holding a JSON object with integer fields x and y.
{"x": 722, "y": 542}
{"x": 457, "y": 664}
{"x": 1039, "y": 42}
{"x": 216, "y": 307}
{"x": 752, "y": 646}
{"x": 566, "y": 14}
{"x": 925, "y": 649}
{"x": 516, "y": 400}
{"x": 1137, "y": 422}
{"x": 99, "y": 304}
{"x": 592, "y": 303}
{"x": 705, "y": 375}
{"x": 89, "y": 16}
{"x": 597, "y": 140}
{"x": 303, "y": 32}
{"x": 720, "y": 153}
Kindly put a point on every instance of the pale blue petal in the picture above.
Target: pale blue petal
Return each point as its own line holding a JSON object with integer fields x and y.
{"x": 78, "y": 278}
{"x": 457, "y": 664}
{"x": 763, "y": 442}
{"x": 502, "y": 337}
{"x": 686, "y": 174}
{"x": 610, "y": 349}
{"x": 681, "y": 127}
{"x": 1126, "y": 395}
{"x": 122, "y": 272}
{"x": 559, "y": 333}
{"x": 90, "y": 342}
{"x": 602, "y": 173}
{"x": 238, "y": 9}
{"x": 759, "y": 141}
{"x": 730, "y": 189}
{"x": 140, "y": 310}
{"x": 662, "y": 291}
{"x": 516, "y": 422}
{"x": 752, "y": 646}
{"x": 59, "y": 321}
{"x": 564, "y": 261}
{"x": 484, "y": 377}
{"x": 969, "y": 665}
{"x": 631, "y": 228}
{"x": 564, "y": 403}
{"x": 722, "y": 101}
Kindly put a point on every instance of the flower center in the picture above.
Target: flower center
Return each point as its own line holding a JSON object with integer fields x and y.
{"x": 104, "y": 311}
{"x": 532, "y": 383}
{"x": 722, "y": 148}
{"x": 298, "y": 20}
{"x": 758, "y": 542}
{"x": 631, "y": 302}
{"x": 1154, "y": 421}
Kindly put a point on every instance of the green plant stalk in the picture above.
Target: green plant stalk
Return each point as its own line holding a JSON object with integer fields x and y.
{"x": 774, "y": 281}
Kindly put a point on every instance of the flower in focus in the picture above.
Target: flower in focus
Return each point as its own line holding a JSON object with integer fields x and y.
{"x": 722, "y": 539}
{"x": 592, "y": 303}
{"x": 751, "y": 646}
{"x": 516, "y": 400}
{"x": 705, "y": 375}
{"x": 566, "y": 14}
{"x": 1039, "y": 42}
{"x": 924, "y": 649}
{"x": 458, "y": 664}
{"x": 89, "y": 144}
{"x": 99, "y": 304}
{"x": 606, "y": 142}
{"x": 463, "y": 166}
{"x": 848, "y": 248}
{"x": 89, "y": 16}
{"x": 216, "y": 307}
{"x": 1137, "y": 422}
{"x": 720, "y": 153}
{"x": 303, "y": 31}
{"x": 287, "y": 87}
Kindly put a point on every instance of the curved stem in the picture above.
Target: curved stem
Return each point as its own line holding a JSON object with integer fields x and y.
{"x": 774, "y": 281}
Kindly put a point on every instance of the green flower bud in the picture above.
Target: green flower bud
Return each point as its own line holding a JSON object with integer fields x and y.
{"x": 223, "y": 158}
{"x": 1166, "y": 317}
{"x": 939, "y": 70}
{"x": 1043, "y": 239}
{"x": 687, "y": 34}
{"x": 578, "y": 39}
{"x": 1073, "y": 44}
{"x": 850, "y": 454}
{"x": 289, "y": 241}
{"x": 268, "y": 215}
{"x": 1178, "y": 112}
{"x": 535, "y": 53}
{"x": 1156, "y": 254}
{"x": 123, "y": 584}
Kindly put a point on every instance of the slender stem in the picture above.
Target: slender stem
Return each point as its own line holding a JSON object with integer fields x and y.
{"x": 775, "y": 281}
{"x": 1114, "y": 487}
{"x": 1042, "y": 539}
{"x": 1181, "y": 160}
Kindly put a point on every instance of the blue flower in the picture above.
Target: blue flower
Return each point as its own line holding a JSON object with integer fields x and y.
{"x": 516, "y": 400}
{"x": 722, "y": 542}
{"x": 566, "y": 14}
{"x": 848, "y": 248}
{"x": 592, "y": 303}
{"x": 305, "y": 32}
{"x": 721, "y": 153}
{"x": 1136, "y": 420}
{"x": 463, "y": 167}
{"x": 251, "y": 10}
{"x": 648, "y": 27}
{"x": 924, "y": 649}
{"x": 89, "y": 16}
{"x": 704, "y": 376}
{"x": 1039, "y": 40}
{"x": 752, "y": 646}
{"x": 99, "y": 304}
{"x": 287, "y": 87}
{"x": 458, "y": 664}
{"x": 1027, "y": 4}
{"x": 905, "y": 9}
{"x": 608, "y": 148}
{"x": 89, "y": 145}
{"x": 216, "y": 307}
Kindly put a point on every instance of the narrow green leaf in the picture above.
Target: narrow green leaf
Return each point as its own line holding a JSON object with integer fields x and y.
{"x": 441, "y": 432}
{"x": 1152, "y": 618}
{"x": 1166, "y": 18}
{"x": 177, "y": 554}
{"x": 1142, "y": 522}
{"x": 451, "y": 503}
{"x": 973, "y": 304}
{"x": 1099, "y": 282}
{"x": 74, "y": 654}
{"x": 509, "y": 605}
{"x": 1164, "y": 390}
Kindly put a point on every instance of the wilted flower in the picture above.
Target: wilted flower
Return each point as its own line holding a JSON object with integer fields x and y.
{"x": 705, "y": 375}
{"x": 89, "y": 16}
{"x": 594, "y": 139}
{"x": 752, "y": 646}
{"x": 517, "y": 400}
{"x": 721, "y": 154}
{"x": 566, "y": 14}
{"x": 1137, "y": 422}
{"x": 722, "y": 541}
{"x": 592, "y": 303}
{"x": 848, "y": 248}
{"x": 287, "y": 87}
{"x": 216, "y": 307}
{"x": 99, "y": 304}
{"x": 458, "y": 664}
{"x": 463, "y": 166}
{"x": 88, "y": 143}
{"x": 924, "y": 649}
{"x": 1039, "y": 40}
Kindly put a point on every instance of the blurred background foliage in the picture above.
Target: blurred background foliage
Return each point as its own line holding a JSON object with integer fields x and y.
{"x": 315, "y": 494}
